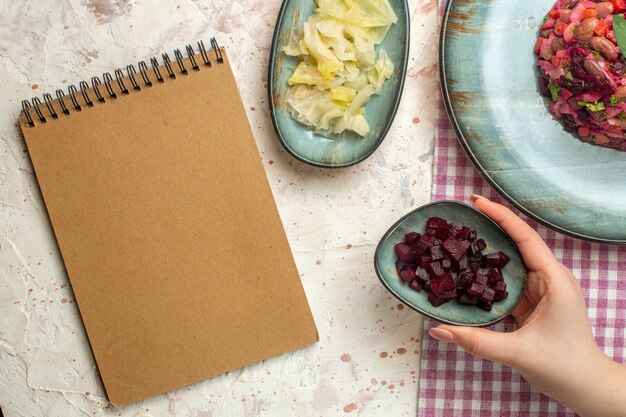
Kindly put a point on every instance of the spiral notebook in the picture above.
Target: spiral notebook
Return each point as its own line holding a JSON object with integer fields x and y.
{"x": 166, "y": 223}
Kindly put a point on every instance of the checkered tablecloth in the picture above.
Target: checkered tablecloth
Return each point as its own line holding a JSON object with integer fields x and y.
{"x": 453, "y": 383}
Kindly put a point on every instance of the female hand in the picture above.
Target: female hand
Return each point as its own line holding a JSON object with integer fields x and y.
{"x": 553, "y": 346}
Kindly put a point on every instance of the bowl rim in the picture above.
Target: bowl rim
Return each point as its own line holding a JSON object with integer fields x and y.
{"x": 379, "y": 273}
{"x": 456, "y": 125}
{"x": 272, "y": 105}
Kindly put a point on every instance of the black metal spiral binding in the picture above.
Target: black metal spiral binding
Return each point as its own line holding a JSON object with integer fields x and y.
{"x": 83, "y": 90}
{"x": 119, "y": 77}
{"x": 168, "y": 66}
{"x": 205, "y": 56}
{"x": 95, "y": 83}
{"x": 217, "y": 50}
{"x": 143, "y": 69}
{"x": 47, "y": 99}
{"x": 130, "y": 70}
{"x": 192, "y": 59}
{"x": 179, "y": 59}
{"x": 72, "y": 93}
{"x": 107, "y": 84}
{"x": 26, "y": 106}
{"x": 61, "y": 101}
{"x": 107, "y": 81}
{"x": 36, "y": 104}
{"x": 155, "y": 68}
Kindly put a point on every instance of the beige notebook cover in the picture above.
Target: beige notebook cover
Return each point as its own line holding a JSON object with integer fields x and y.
{"x": 167, "y": 226}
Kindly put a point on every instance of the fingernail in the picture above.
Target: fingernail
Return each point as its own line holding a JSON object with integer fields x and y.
{"x": 476, "y": 197}
{"x": 441, "y": 334}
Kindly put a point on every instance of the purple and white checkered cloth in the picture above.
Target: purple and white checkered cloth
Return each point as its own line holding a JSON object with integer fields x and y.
{"x": 455, "y": 384}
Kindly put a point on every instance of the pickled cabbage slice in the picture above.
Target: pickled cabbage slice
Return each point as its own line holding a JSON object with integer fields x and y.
{"x": 381, "y": 72}
{"x": 366, "y": 13}
{"x": 339, "y": 70}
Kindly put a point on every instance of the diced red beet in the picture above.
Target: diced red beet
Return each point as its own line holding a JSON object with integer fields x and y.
{"x": 427, "y": 240}
{"x": 476, "y": 289}
{"x": 434, "y": 269}
{"x": 482, "y": 271}
{"x": 501, "y": 292}
{"x": 485, "y": 305}
{"x": 419, "y": 248}
{"x": 481, "y": 279}
{"x": 455, "y": 247}
{"x": 436, "y": 253}
{"x": 446, "y": 264}
{"x": 496, "y": 260}
{"x": 405, "y": 253}
{"x": 399, "y": 265}
{"x": 468, "y": 299}
{"x": 491, "y": 259}
{"x": 436, "y": 301}
{"x": 462, "y": 263}
{"x": 424, "y": 260}
{"x": 422, "y": 275}
{"x": 416, "y": 285}
{"x": 443, "y": 233}
{"x": 464, "y": 279}
{"x": 504, "y": 259}
{"x": 494, "y": 276}
{"x": 501, "y": 295}
{"x": 474, "y": 249}
{"x": 455, "y": 228}
{"x": 474, "y": 263}
{"x": 448, "y": 295}
{"x": 442, "y": 284}
{"x": 408, "y": 273}
{"x": 488, "y": 294}
{"x": 436, "y": 223}
{"x": 463, "y": 233}
{"x": 411, "y": 238}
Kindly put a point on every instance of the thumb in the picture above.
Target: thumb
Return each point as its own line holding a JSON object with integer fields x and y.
{"x": 487, "y": 344}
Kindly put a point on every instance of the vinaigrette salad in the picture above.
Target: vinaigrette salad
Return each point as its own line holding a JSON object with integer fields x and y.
{"x": 583, "y": 69}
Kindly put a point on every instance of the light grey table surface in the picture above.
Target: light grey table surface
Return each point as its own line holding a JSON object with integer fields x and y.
{"x": 367, "y": 360}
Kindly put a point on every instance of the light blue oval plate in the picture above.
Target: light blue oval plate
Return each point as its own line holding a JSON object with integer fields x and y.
{"x": 490, "y": 88}
{"x": 515, "y": 273}
{"x": 348, "y": 148}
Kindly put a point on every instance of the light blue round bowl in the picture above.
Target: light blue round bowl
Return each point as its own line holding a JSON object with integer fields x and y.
{"x": 515, "y": 273}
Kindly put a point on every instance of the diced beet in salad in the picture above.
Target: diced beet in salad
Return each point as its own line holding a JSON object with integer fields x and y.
{"x": 583, "y": 70}
{"x": 448, "y": 262}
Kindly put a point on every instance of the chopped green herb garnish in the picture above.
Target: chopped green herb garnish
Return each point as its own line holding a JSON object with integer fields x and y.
{"x": 613, "y": 100}
{"x": 569, "y": 76}
{"x": 596, "y": 54}
{"x": 554, "y": 90}
{"x": 592, "y": 107}
{"x": 622, "y": 116}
